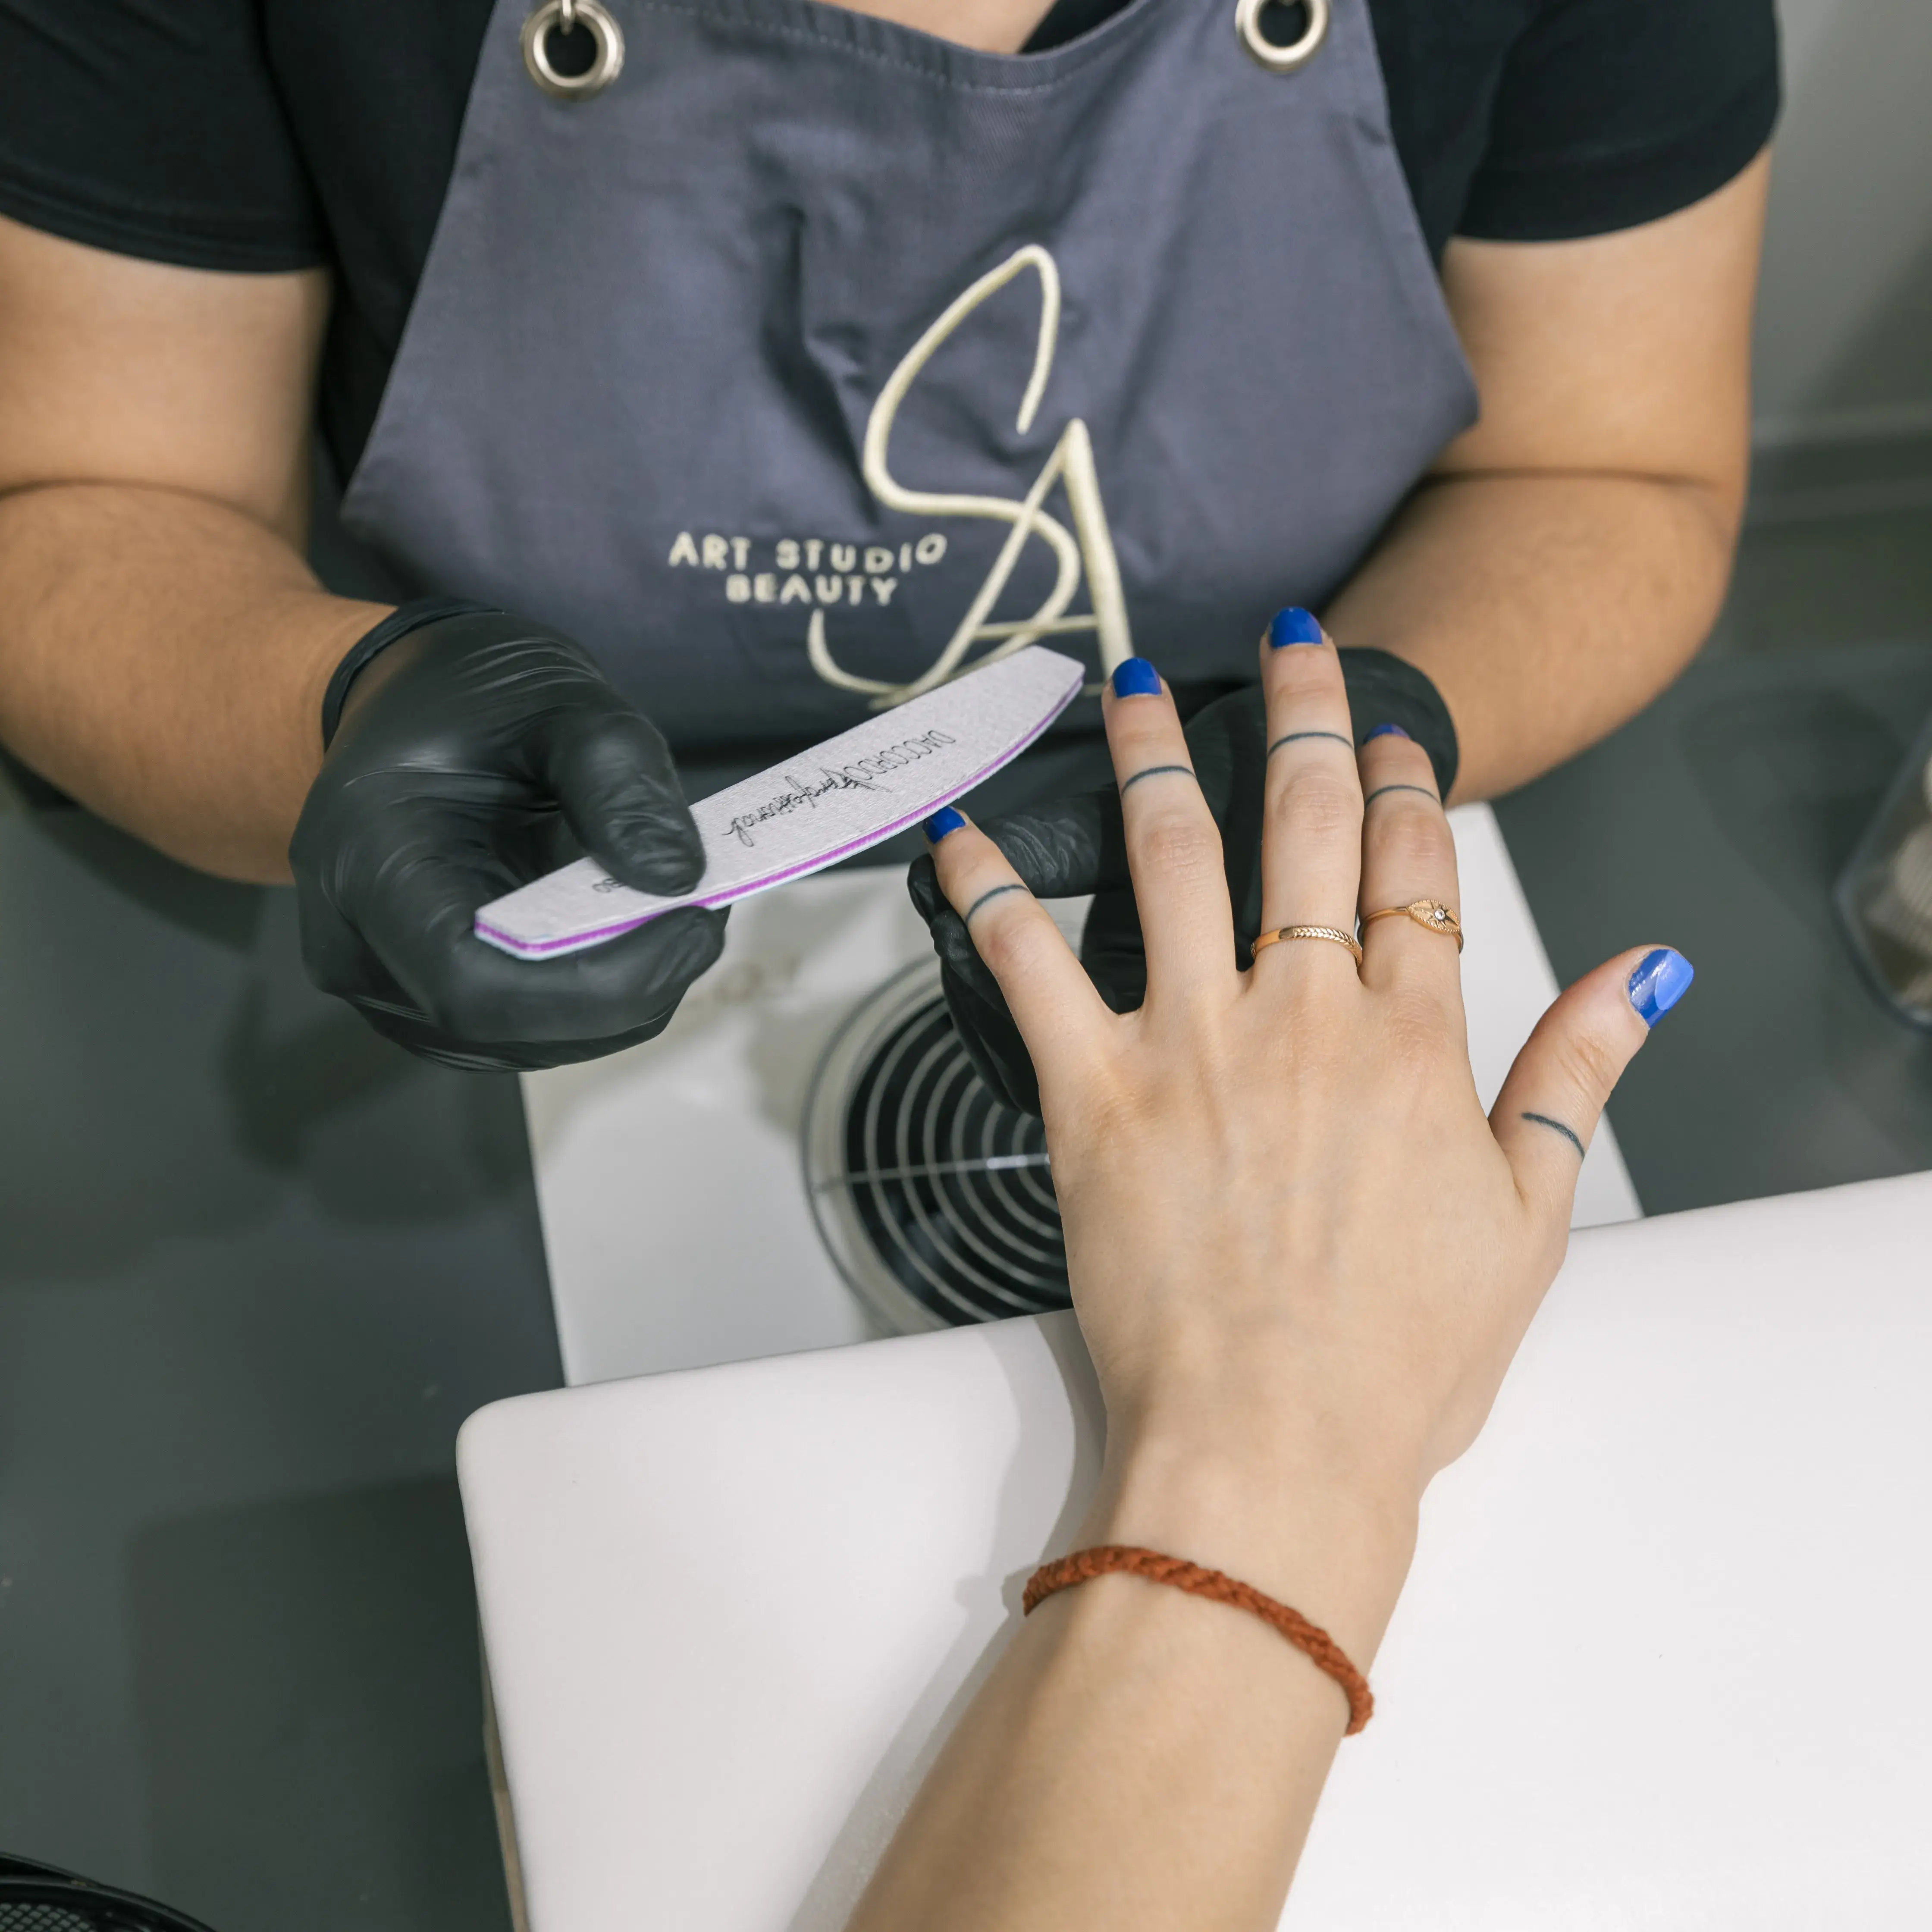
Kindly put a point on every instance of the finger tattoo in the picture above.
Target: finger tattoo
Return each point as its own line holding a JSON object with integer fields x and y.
{"x": 1293, "y": 737}
{"x": 1154, "y": 772}
{"x": 1380, "y": 789}
{"x": 1568, "y": 1133}
{"x": 967, "y": 917}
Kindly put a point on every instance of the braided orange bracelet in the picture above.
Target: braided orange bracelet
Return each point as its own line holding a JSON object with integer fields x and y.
{"x": 1084, "y": 1565}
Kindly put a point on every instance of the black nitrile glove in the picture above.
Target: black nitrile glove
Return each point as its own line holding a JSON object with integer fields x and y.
{"x": 1075, "y": 846}
{"x": 480, "y": 751}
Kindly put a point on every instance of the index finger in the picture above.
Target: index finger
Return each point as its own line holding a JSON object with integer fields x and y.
{"x": 1052, "y": 999}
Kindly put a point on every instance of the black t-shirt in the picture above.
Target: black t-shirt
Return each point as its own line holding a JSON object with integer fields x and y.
{"x": 264, "y": 135}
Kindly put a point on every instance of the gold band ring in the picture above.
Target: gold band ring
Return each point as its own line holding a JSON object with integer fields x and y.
{"x": 1426, "y": 912}
{"x": 1332, "y": 932}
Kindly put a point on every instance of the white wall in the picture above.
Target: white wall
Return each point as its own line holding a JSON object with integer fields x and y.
{"x": 1844, "y": 338}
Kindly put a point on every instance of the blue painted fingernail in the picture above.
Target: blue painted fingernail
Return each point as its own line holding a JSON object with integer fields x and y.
{"x": 944, "y": 820}
{"x": 1386, "y": 731}
{"x": 1135, "y": 677}
{"x": 1662, "y": 979}
{"x": 1294, "y": 626}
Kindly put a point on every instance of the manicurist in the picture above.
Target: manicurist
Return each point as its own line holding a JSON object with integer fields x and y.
{"x": 707, "y": 374}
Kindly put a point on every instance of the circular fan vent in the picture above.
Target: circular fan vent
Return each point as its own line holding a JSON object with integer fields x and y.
{"x": 934, "y": 1199}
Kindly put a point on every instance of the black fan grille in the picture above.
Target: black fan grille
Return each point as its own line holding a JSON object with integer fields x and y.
{"x": 951, "y": 1187}
{"x": 34, "y": 1897}
{"x": 72, "y": 1905}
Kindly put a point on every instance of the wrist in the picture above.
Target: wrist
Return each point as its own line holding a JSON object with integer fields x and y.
{"x": 400, "y": 622}
{"x": 1304, "y": 1515}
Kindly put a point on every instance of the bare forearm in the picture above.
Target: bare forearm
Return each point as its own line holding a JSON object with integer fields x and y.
{"x": 1547, "y": 609}
{"x": 1141, "y": 1758}
{"x": 163, "y": 658}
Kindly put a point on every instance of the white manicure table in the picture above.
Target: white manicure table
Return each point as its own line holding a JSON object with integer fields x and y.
{"x": 1662, "y": 1662}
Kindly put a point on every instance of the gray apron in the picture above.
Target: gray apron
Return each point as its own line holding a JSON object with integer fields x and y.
{"x": 816, "y": 358}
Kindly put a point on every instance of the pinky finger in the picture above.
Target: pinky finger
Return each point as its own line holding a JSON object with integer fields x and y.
{"x": 1545, "y": 1117}
{"x": 1053, "y": 1001}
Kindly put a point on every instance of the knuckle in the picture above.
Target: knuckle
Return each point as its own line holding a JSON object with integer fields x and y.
{"x": 1415, "y": 839}
{"x": 1180, "y": 845}
{"x": 1317, "y": 803}
{"x": 1588, "y": 1064}
{"x": 1009, "y": 942}
{"x": 1415, "y": 1027}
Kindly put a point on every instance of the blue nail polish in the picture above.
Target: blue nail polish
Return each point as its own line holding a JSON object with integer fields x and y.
{"x": 944, "y": 820}
{"x": 1135, "y": 677}
{"x": 1386, "y": 731}
{"x": 1662, "y": 979}
{"x": 1293, "y": 626}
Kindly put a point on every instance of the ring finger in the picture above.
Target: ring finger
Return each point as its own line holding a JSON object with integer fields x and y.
{"x": 1411, "y": 910}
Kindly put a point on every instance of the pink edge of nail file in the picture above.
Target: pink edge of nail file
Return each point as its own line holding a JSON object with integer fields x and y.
{"x": 810, "y": 811}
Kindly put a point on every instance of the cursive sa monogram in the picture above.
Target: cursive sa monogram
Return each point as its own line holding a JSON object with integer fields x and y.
{"x": 1089, "y": 544}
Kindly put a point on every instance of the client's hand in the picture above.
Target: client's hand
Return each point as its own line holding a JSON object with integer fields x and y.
{"x": 1302, "y": 1257}
{"x": 1285, "y": 1212}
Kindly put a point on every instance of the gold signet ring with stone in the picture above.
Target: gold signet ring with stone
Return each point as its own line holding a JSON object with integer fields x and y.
{"x": 1438, "y": 918}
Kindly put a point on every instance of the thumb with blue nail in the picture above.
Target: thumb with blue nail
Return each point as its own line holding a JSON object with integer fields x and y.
{"x": 1555, "y": 1094}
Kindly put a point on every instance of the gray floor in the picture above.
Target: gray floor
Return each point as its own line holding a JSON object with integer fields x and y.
{"x": 256, "y": 1265}
{"x": 1719, "y": 820}
{"x": 1802, "y": 584}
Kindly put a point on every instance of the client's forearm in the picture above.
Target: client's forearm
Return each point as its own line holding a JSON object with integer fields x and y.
{"x": 163, "y": 658}
{"x": 1548, "y": 608}
{"x": 1140, "y": 1757}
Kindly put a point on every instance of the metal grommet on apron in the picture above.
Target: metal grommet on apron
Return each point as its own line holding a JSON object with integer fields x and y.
{"x": 566, "y": 15}
{"x": 1298, "y": 52}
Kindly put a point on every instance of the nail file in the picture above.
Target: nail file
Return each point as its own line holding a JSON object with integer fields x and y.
{"x": 811, "y": 811}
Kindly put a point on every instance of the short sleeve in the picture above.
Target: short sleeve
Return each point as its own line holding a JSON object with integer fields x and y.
{"x": 1613, "y": 112}
{"x": 152, "y": 127}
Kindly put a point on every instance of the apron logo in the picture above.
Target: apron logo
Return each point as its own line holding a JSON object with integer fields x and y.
{"x": 802, "y": 563}
{"x": 824, "y": 574}
{"x": 1089, "y": 545}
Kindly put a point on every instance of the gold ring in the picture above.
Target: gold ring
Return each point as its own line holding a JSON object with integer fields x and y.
{"x": 1426, "y": 912}
{"x": 1333, "y": 932}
